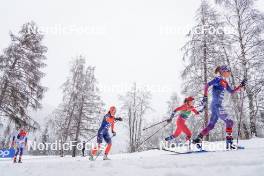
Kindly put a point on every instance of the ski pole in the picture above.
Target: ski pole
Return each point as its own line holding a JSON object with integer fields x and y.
{"x": 154, "y": 125}
{"x": 152, "y": 135}
{"x": 240, "y": 118}
{"x": 91, "y": 138}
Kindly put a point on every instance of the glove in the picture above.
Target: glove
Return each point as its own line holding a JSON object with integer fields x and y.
{"x": 200, "y": 111}
{"x": 118, "y": 119}
{"x": 114, "y": 133}
{"x": 172, "y": 114}
{"x": 243, "y": 83}
{"x": 169, "y": 120}
{"x": 205, "y": 100}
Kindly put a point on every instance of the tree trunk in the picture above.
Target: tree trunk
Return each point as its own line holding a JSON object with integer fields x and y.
{"x": 78, "y": 129}
{"x": 206, "y": 115}
{"x": 244, "y": 63}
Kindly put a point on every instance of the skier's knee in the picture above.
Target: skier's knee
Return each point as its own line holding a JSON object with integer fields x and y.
{"x": 210, "y": 126}
{"x": 229, "y": 123}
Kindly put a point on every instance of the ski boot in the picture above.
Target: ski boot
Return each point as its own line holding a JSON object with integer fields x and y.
{"x": 91, "y": 156}
{"x": 15, "y": 160}
{"x": 169, "y": 138}
{"x": 106, "y": 157}
{"x": 189, "y": 143}
{"x": 20, "y": 160}
{"x": 229, "y": 143}
{"x": 198, "y": 141}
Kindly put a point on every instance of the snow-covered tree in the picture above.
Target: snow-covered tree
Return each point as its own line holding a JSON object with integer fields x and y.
{"x": 246, "y": 36}
{"x": 78, "y": 115}
{"x": 20, "y": 76}
{"x": 135, "y": 104}
{"x": 202, "y": 51}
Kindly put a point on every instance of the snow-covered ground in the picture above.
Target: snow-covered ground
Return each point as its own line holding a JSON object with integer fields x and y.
{"x": 150, "y": 163}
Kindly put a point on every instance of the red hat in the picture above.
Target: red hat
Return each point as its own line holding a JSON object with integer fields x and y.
{"x": 188, "y": 99}
{"x": 22, "y": 133}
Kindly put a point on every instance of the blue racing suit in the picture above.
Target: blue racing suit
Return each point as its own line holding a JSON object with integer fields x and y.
{"x": 108, "y": 121}
{"x": 219, "y": 86}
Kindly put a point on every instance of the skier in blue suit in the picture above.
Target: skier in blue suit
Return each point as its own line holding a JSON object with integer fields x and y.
{"x": 20, "y": 141}
{"x": 220, "y": 85}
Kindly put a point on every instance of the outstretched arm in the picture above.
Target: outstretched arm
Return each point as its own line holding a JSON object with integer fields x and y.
{"x": 232, "y": 91}
{"x": 236, "y": 89}
{"x": 195, "y": 111}
{"x": 181, "y": 108}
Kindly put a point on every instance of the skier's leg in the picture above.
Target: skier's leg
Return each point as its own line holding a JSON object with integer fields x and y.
{"x": 15, "y": 157}
{"x": 99, "y": 142}
{"x": 229, "y": 127}
{"x": 187, "y": 131}
{"x": 17, "y": 151}
{"x": 108, "y": 140}
{"x": 210, "y": 126}
{"x": 212, "y": 122}
{"x": 21, "y": 149}
{"x": 177, "y": 131}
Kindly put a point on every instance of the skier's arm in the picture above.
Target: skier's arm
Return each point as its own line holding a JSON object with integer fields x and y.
{"x": 13, "y": 141}
{"x": 195, "y": 111}
{"x": 113, "y": 127}
{"x": 236, "y": 89}
{"x": 26, "y": 140}
{"x": 181, "y": 108}
{"x": 232, "y": 91}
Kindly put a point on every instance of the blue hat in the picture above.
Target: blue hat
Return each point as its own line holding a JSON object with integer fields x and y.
{"x": 225, "y": 68}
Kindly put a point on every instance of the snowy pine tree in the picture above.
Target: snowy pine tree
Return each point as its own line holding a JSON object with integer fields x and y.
{"x": 78, "y": 116}
{"x": 20, "y": 76}
{"x": 202, "y": 51}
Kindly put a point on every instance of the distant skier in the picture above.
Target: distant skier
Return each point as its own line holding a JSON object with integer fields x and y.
{"x": 83, "y": 148}
{"x": 20, "y": 142}
{"x": 185, "y": 110}
{"x": 103, "y": 133}
{"x": 219, "y": 84}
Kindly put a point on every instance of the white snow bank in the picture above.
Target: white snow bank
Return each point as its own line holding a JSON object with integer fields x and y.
{"x": 150, "y": 163}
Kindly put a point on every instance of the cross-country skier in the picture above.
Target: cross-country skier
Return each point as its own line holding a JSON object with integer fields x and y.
{"x": 185, "y": 111}
{"x": 20, "y": 141}
{"x": 220, "y": 85}
{"x": 103, "y": 133}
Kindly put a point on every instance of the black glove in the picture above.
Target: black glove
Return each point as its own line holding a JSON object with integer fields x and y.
{"x": 114, "y": 133}
{"x": 200, "y": 111}
{"x": 172, "y": 114}
{"x": 169, "y": 120}
{"x": 205, "y": 100}
{"x": 243, "y": 83}
{"x": 118, "y": 119}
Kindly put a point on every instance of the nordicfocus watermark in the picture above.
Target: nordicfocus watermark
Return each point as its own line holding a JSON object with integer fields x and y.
{"x": 73, "y": 29}
{"x": 181, "y": 147}
{"x": 167, "y": 30}
{"x": 67, "y": 146}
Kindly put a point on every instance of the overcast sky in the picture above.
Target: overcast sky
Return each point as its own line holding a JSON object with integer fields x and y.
{"x": 127, "y": 41}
